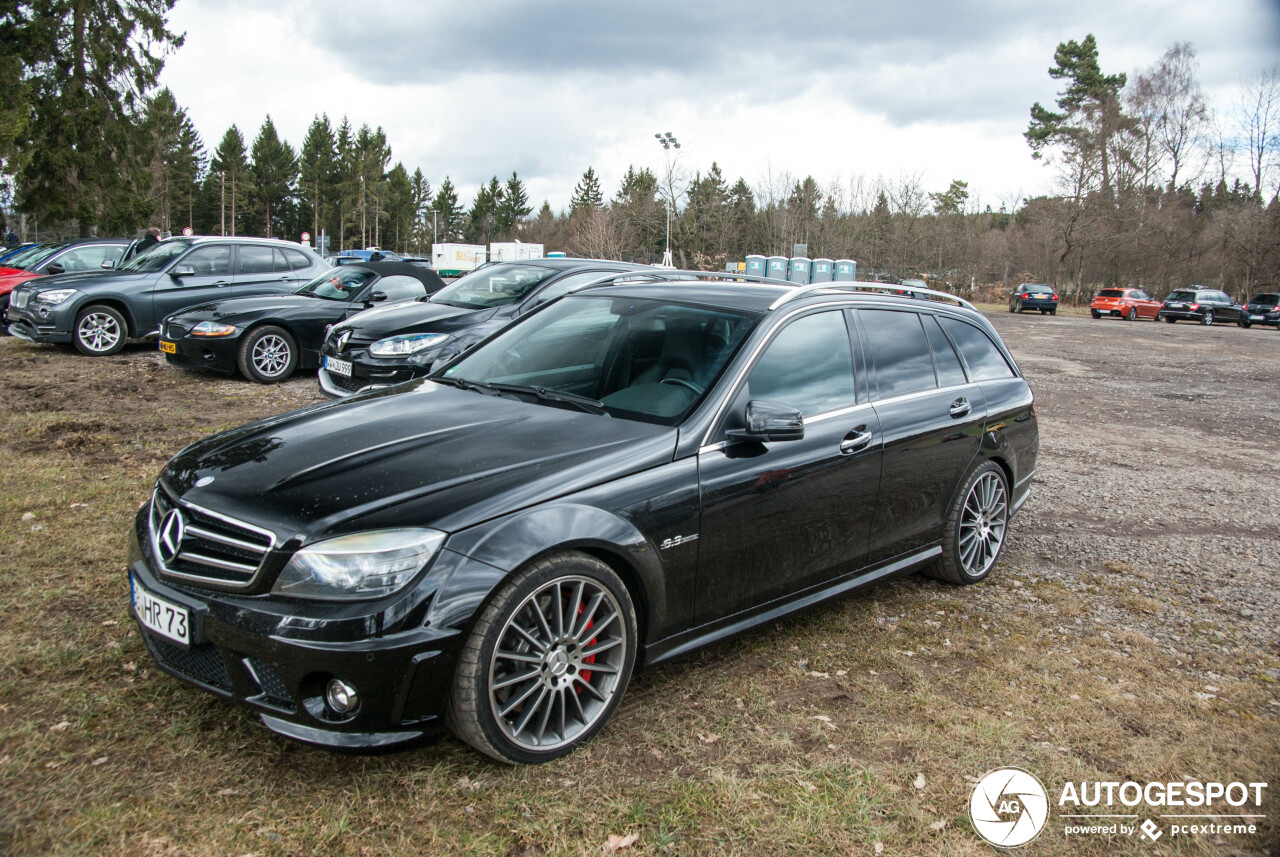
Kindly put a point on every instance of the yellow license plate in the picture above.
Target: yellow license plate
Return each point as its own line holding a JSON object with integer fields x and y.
{"x": 168, "y": 347}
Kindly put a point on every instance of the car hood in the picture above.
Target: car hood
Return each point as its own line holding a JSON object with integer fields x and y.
{"x": 412, "y": 317}
{"x": 254, "y": 307}
{"x": 421, "y": 455}
{"x": 86, "y": 279}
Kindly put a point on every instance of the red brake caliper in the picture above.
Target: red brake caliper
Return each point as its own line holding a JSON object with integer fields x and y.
{"x": 586, "y": 674}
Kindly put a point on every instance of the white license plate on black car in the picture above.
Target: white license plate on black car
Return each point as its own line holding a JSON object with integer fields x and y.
{"x": 1255, "y": 318}
{"x": 165, "y": 618}
{"x": 338, "y": 367}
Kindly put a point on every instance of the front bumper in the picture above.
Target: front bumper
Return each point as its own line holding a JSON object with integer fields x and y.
{"x": 211, "y": 352}
{"x": 34, "y": 326}
{"x": 365, "y": 374}
{"x": 275, "y": 656}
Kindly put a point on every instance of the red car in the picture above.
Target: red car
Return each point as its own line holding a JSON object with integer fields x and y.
{"x": 59, "y": 258}
{"x": 1129, "y": 304}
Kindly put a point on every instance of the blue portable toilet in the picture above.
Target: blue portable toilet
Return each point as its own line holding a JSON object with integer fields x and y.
{"x": 776, "y": 266}
{"x": 556, "y": 254}
{"x": 756, "y": 266}
{"x": 823, "y": 270}
{"x": 846, "y": 270}
{"x": 799, "y": 273}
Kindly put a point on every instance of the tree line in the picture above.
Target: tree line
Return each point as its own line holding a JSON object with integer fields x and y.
{"x": 1154, "y": 186}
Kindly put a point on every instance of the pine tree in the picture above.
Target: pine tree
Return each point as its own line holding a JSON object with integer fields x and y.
{"x": 318, "y": 180}
{"x": 482, "y": 218}
{"x": 231, "y": 164}
{"x": 275, "y": 174}
{"x": 91, "y": 65}
{"x": 399, "y": 207}
{"x": 587, "y": 194}
{"x": 513, "y": 208}
{"x": 421, "y": 208}
{"x": 449, "y": 215}
{"x": 348, "y": 183}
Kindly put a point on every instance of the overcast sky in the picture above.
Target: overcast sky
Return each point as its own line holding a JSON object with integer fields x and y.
{"x": 828, "y": 89}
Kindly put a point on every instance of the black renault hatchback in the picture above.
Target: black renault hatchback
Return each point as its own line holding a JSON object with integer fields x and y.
{"x": 388, "y": 345}
{"x": 626, "y": 475}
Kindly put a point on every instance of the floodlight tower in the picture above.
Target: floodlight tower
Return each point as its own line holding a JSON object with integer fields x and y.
{"x": 669, "y": 143}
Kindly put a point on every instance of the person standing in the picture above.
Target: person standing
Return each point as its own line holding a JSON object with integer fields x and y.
{"x": 11, "y": 238}
{"x": 151, "y": 239}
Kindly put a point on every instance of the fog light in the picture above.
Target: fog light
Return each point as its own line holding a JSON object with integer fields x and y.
{"x": 341, "y": 696}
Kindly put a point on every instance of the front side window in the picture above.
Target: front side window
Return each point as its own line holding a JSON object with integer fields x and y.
{"x": 212, "y": 261}
{"x": 635, "y": 358}
{"x": 808, "y": 366}
{"x": 986, "y": 363}
{"x": 497, "y": 285}
{"x": 568, "y": 284}
{"x": 340, "y": 284}
{"x": 896, "y": 344}
{"x": 157, "y": 258}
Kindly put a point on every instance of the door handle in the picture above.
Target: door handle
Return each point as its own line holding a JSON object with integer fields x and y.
{"x": 284, "y": 279}
{"x": 855, "y": 440}
{"x": 222, "y": 283}
{"x": 960, "y": 408}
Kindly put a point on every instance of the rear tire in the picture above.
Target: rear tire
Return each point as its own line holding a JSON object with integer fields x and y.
{"x": 100, "y": 331}
{"x": 1053, "y": 311}
{"x": 976, "y": 527}
{"x": 1095, "y": 313}
{"x": 1207, "y": 318}
{"x": 526, "y": 645}
{"x": 1132, "y": 315}
{"x": 1171, "y": 320}
{"x": 1245, "y": 323}
{"x": 268, "y": 355}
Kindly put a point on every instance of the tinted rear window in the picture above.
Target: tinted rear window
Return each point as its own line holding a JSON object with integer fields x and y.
{"x": 986, "y": 363}
{"x": 1111, "y": 293}
{"x": 1182, "y": 296}
{"x": 1265, "y": 299}
{"x": 1038, "y": 290}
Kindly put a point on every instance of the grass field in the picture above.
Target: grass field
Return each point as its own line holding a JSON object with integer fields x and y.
{"x": 856, "y": 729}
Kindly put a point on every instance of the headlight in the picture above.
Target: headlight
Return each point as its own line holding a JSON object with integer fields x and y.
{"x": 212, "y": 328}
{"x": 409, "y": 343}
{"x": 53, "y": 296}
{"x": 361, "y": 565}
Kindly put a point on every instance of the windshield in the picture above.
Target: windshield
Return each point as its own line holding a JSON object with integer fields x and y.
{"x": 157, "y": 258}
{"x": 1265, "y": 299}
{"x": 637, "y": 359}
{"x": 33, "y": 256}
{"x": 1182, "y": 296}
{"x": 340, "y": 284}
{"x": 498, "y": 285}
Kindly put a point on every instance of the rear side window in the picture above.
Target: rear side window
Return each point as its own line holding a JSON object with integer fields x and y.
{"x": 950, "y": 373}
{"x": 297, "y": 259}
{"x": 986, "y": 363}
{"x": 897, "y": 346}
{"x": 256, "y": 260}
{"x": 400, "y": 287}
{"x": 808, "y": 366}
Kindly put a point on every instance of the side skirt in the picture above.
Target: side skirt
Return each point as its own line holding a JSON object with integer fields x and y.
{"x": 683, "y": 644}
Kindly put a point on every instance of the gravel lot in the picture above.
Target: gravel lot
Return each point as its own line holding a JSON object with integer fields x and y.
{"x": 1158, "y": 468}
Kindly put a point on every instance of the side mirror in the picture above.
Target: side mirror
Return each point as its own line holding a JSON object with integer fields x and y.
{"x": 376, "y": 297}
{"x": 109, "y": 263}
{"x": 55, "y": 268}
{"x": 770, "y": 421}
{"x": 183, "y": 271}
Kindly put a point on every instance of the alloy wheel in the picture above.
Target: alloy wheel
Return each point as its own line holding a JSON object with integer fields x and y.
{"x": 271, "y": 355}
{"x": 556, "y": 666}
{"x": 99, "y": 331}
{"x": 982, "y": 524}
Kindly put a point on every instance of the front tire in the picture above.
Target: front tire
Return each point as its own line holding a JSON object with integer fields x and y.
{"x": 267, "y": 355}
{"x": 100, "y": 331}
{"x": 976, "y": 527}
{"x": 547, "y": 661}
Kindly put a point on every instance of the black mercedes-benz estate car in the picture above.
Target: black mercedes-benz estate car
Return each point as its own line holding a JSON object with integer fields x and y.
{"x": 627, "y": 475}
{"x": 1034, "y": 296}
{"x": 268, "y": 337}
{"x": 1200, "y": 304}
{"x": 98, "y": 311}
{"x": 388, "y": 345}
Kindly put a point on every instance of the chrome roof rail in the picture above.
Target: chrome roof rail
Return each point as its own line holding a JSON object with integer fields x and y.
{"x": 658, "y": 275}
{"x": 882, "y": 288}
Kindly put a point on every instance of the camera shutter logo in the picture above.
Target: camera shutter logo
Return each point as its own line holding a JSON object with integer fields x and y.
{"x": 172, "y": 531}
{"x": 1008, "y": 807}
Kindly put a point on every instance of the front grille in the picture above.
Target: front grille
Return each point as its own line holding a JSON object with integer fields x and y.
{"x": 20, "y": 299}
{"x": 209, "y": 547}
{"x": 273, "y": 688}
{"x": 199, "y": 663}
{"x": 346, "y": 383}
{"x": 175, "y": 331}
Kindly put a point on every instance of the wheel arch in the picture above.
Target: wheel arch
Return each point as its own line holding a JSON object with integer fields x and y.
{"x": 118, "y": 304}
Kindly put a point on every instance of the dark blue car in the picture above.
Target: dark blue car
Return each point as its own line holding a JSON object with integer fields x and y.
{"x": 1034, "y": 296}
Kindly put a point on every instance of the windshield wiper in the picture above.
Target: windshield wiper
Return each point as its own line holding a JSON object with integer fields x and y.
{"x": 465, "y": 384}
{"x": 591, "y": 406}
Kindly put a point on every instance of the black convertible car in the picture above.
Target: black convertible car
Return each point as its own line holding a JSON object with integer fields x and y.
{"x": 269, "y": 337}
{"x": 620, "y": 478}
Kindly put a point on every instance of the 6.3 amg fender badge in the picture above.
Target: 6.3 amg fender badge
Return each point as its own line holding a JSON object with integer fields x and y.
{"x": 676, "y": 541}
